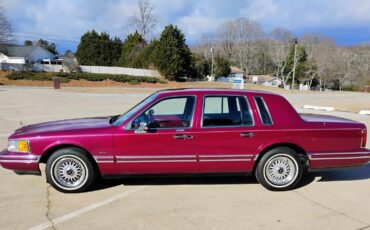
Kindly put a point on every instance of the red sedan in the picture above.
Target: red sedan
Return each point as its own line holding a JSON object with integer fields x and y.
{"x": 190, "y": 131}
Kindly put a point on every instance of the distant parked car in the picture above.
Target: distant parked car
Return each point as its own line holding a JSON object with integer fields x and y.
{"x": 190, "y": 131}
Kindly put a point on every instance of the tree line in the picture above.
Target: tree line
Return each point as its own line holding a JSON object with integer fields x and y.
{"x": 319, "y": 61}
{"x": 169, "y": 54}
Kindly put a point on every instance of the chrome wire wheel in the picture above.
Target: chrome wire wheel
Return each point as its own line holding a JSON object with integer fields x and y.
{"x": 69, "y": 172}
{"x": 280, "y": 170}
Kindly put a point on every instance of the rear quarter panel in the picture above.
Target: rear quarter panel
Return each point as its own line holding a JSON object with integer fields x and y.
{"x": 313, "y": 137}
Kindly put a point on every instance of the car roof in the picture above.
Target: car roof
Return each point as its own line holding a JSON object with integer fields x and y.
{"x": 213, "y": 90}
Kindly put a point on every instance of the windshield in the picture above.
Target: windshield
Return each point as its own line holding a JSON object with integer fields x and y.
{"x": 122, "y": 118}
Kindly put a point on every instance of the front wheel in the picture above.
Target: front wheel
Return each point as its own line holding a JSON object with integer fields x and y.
{"x": 70, "y": 170}
{"x": 279, "y": 169}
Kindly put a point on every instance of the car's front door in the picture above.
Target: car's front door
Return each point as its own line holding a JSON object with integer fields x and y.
{"x": 166, "y": 147}
{"x": 226, "y": 140}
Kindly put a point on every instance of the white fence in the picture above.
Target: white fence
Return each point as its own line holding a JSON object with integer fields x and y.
{"x": 88, "y": 69}
{"x": 120, "y": 70}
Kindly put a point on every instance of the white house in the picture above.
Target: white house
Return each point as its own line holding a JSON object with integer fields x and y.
{"x": 236, "y": 73}
{"x": 266, "y": 80}
{"x": 16, "y": 54}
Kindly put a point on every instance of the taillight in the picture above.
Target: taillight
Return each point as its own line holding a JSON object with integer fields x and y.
{"x": 363, "y": 138}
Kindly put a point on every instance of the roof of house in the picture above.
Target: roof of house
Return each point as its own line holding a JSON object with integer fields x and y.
{"x": 235, "y": 69}
{"x": 264, "y": 78}
{"x": 18, "y": 50}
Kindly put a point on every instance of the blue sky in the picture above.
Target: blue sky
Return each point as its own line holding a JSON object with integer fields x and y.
{"x": 64, "y": 21}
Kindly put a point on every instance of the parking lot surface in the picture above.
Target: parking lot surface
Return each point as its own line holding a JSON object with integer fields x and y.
{"x": 325, "y": 200}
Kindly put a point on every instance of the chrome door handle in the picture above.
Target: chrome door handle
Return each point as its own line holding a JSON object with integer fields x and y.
{"x": 247, "y": 134}
{"x": 183, "y": 136}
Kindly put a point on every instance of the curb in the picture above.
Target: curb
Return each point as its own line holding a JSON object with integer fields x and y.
{"x": 364, "y": 112}
{"x": 325, "y": 108}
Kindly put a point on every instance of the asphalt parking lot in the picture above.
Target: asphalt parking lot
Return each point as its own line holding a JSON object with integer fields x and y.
{"x": 326, "y": 200}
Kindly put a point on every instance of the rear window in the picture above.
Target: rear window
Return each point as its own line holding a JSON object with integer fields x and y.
{"x": 263, "y": 111}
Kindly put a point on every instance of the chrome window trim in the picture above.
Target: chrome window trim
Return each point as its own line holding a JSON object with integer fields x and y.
{"x": 259, "y": 112}
{"x": 226, "y": 126}
{"x": 156, "y": 102}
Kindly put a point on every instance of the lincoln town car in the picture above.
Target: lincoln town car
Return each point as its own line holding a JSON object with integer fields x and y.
{"x": 190, "y": 131}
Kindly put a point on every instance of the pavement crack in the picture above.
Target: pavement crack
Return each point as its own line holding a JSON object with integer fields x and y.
{"x": 48, "y": 207}
{"x": 333, "y": 210}
{"x": 364, "y": 228}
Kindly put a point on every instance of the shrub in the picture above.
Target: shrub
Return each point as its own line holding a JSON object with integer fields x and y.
{"x": 34, "y": 76}
{"x": 66, "y": 77}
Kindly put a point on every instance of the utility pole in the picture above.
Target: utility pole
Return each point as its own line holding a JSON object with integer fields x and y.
{"x": 213, "y": 60}
{"x": 295, "y": 62}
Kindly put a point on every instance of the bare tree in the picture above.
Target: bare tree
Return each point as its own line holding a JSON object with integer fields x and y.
{"x": 238, "y": 39}
{"x": 350, "y": 65}
{"x": 205, "y": 46}
{"x": 281, "y": 40}
{"x": 5, "y": 27}
{"x": 70, "y": 62}
{"x": 226, "y": 37}
{"x": 145, "y": 22}
{"x": 323, "y": 53}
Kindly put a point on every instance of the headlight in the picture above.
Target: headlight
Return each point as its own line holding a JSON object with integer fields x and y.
{"x": 22, "y": 146}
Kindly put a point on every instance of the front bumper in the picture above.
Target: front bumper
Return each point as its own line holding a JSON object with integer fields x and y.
{"x": 21, "y": 163}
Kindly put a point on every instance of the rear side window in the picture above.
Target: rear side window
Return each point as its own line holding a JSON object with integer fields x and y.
{"x": 224, "y": 111}
{"x": 263, "y": 111}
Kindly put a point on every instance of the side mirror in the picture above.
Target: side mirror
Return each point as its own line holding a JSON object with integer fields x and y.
{"x": 143, "y": 128}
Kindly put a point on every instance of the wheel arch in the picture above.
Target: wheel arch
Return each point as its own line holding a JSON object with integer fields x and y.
{"x": 298, "y": 149}
{"x": 49, "y": 151}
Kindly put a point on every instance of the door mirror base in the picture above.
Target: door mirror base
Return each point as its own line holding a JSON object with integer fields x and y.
{"x": 143, "y": 128}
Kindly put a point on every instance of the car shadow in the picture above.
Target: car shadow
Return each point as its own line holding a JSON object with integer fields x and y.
{"x": 166, "y": 180}
{"x": 350, "y": 174}
{"x": 362, "y": 173}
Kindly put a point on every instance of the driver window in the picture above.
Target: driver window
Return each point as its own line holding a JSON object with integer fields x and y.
{"x": 168, "y": 113}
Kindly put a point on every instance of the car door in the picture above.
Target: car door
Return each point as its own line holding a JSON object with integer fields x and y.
{"x": 226, "y": 140}
{"x": 166, "y": 147}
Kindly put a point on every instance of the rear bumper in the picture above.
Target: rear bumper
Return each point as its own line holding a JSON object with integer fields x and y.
{"x": 339, "y": 159}
{"x": 21, "y": 163}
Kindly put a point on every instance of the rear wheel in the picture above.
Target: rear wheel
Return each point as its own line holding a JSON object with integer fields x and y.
{"x": 279, "y": 169}
{"x": 70, "y": 170}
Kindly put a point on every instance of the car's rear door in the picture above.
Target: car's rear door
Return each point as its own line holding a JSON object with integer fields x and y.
{"x": 168, "y": 145}
{"x": 226, "y": 140}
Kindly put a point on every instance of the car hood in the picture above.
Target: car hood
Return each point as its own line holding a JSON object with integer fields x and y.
{"x": 64, "y": 125}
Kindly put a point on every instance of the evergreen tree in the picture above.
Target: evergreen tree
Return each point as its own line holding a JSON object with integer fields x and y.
{"x": 98, "y": 49}
{"x": 116, "y": 50}
{"x": 51, "y": 47}
{"x": 132, "y": 49}
{"x": 200, "y": 67}
{"x": 301, "y": 66}
{"x": 222, "y": 66}
{"x": 172, "y": 57}
{"x": 147, "y": 55}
